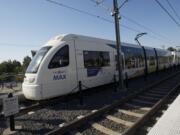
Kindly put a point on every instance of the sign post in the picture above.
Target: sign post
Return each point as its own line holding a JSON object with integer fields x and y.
{"x": 11, "y": 107}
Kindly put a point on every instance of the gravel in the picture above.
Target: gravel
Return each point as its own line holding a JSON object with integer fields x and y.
{"x": 125, "y": 117}
{"x": 92, "y": 131}
{"x": 49, "y": 118}
{"x": 88, "y": 130}
{"x": 112, "y": 125}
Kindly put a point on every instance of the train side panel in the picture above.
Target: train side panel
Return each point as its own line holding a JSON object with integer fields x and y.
{"x": 95, "y": 63}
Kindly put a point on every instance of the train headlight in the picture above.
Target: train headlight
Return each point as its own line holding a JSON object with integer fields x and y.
{"x": 31, "y": 80}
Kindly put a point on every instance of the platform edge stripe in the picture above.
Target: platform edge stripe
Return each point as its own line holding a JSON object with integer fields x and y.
{"x": 104, "y": 129}
{"x": 137, "y": 107}
{"x": 119, "y": 121}
{"x": 130, "y": 113}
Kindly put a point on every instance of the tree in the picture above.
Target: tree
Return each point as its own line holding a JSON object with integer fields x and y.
{"x": 3, "y": 68}
{"x": 10, "y": 67}
{"x": 16, "y": 63}
{"x": 171, "y": 49}
{"x": 26, "y": 62}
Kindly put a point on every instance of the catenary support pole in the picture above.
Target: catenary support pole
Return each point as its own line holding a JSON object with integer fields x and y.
{"x": 118, "y": 44}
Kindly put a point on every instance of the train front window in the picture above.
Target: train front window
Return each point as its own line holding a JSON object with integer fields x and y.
{"x": 60, "y": 59}
{"x": 34, "y": 64}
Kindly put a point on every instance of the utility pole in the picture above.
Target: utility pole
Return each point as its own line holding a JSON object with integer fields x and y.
{"x": 118, "y": 43}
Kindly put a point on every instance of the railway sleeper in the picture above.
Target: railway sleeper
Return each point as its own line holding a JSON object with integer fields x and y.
{"x": 130, "y": 113}
{"x": 164, "y": 86}
{"x": 158, "y": 92}
{"x": 119, "y": 121}
{"x": 148, "y": 98}
{"x": 161, "y": 92}
{"x": 153, "y": 95}
{"x": 143, "y": 102}
{"x": 164, "y": 89}
{"x": 137, "y": 107}
{"x": 104, "y": 130}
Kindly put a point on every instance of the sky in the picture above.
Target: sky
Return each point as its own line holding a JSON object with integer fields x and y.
{"x": 26, "y": 25}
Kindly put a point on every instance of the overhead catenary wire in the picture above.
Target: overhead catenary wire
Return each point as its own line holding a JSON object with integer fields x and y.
{"x": 157, "y": 35}
{"x": 98, "y": 17}
{"x": 167, "y": 12}
{"x": 147, "y": 28}
{"x": 176, "y": 14}
{"x": 102, "y": 5}
{"x": 125, "y": 1}
{"x": 87, "y": 13}
{"x": 78, "y": 10}
{"x": 17, "y": 45}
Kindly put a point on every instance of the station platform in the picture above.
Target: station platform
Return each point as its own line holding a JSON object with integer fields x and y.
{"x": 169, "y": 123}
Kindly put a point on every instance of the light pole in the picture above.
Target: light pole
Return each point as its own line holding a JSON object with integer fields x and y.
{"x": 138, "y": 36}
{"x": 118, "y": 43}
{"x": 144, "y": 51}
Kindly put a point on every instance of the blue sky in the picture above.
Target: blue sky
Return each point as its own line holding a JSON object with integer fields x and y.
{"x": 28, "y": 24}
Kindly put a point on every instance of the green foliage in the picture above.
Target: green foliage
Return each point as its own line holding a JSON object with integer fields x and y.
{"x": 26, "y": 62}
{"x": 10, "y": 67}
{"x": 171, "y": 49}
{"x": 13, "y": 67}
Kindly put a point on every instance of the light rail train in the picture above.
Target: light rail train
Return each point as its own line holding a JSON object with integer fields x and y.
{"x": 65, "y": 60}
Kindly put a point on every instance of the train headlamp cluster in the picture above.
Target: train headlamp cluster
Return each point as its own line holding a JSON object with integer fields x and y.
{"x": 31, "y": 80}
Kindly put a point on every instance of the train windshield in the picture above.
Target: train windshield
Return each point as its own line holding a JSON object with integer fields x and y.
{"x": 34, "y": 64}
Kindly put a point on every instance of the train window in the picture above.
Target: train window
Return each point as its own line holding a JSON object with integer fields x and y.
{"x": 163, "y": 57}
{"x": 96, "y": 59}
{"x": 61, "y": 58}
{"x": 151, "y": 57}
{"x": 37, "y": 59}
{"x": 133, "y": 57}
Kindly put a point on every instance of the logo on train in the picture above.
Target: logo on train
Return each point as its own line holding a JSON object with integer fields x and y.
{"x": 59, "y": 75}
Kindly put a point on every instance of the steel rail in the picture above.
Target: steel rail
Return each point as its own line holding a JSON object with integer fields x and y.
{"x": 78, "y": 122}
{"x": 154, "y": 109}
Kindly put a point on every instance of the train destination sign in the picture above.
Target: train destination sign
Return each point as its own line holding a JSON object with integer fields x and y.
{"x": 10, "y": 105}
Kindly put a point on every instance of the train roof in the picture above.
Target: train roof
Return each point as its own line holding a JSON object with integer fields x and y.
{"x": 64, "y": 37}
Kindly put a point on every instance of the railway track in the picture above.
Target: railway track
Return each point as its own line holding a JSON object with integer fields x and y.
{"x": 147, "y": 126}
{"x": 123, "y": 117}
{"x": 28, "y": 105}
{"x": 60, "y": 111}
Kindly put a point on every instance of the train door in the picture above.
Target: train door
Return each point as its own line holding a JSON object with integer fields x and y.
{"x": 94, "y": 63}
{"x": 59, "y": 77}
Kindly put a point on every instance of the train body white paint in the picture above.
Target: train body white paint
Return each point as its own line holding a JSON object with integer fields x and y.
{"x": 65, "y": 60}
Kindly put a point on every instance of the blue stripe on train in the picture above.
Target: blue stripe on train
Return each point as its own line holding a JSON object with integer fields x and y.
{"x": 93, "y": 71}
